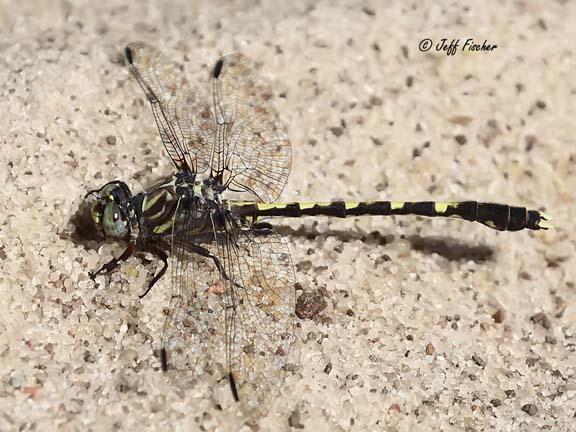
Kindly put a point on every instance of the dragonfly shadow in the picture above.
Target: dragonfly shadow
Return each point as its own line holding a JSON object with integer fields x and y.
{"x": 84, "y": 232}
{"x": 450, "y": 248}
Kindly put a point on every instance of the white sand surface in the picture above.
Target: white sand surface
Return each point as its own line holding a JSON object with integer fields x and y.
{"x": 429, "y": 325}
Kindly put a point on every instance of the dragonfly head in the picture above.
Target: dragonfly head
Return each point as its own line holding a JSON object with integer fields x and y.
{"x": 111, "y": 209}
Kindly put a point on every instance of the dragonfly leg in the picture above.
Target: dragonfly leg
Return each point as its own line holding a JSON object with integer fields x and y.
{"x": 115, "y": 262}
{"x": 207, "y": 254}
{"x": 163, "y": 256}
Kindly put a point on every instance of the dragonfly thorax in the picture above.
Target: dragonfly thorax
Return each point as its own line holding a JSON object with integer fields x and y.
{"x": 204, "y": 192}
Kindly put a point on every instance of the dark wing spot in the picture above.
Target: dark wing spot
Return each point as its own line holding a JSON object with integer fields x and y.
{"x": 164, "y": 359}
{"x": 218, "y": 68}
{"x": 233, "y": 387}
{"x": 128, "y": 52}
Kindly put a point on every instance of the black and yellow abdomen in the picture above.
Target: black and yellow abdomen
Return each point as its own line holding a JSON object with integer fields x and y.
{"x": 497, "y": 216}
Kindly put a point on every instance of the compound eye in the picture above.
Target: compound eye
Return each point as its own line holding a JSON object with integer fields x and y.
{"x": 113, "y": 221}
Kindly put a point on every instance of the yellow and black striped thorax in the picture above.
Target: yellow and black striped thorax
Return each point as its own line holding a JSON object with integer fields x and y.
{"x": 497, "y": 216}
{"x": 158, "y": 207}
{"x": 179, "y": 202}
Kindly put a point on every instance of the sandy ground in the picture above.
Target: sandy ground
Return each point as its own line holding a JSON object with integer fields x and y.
{"x": 429, "y": 324}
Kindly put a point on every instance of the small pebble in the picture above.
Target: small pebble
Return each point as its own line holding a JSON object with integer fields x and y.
{"x": 479, "y": 361}
{"x": 295, "y": 421}
{"x": 550, "y": 340}
{"x": 310, "y": 304}
{"x": 499, "y": 316}
{"x": 460, "y": 139}
{"x": 337, "y": 131}
{"x": 542, "y": 319}
{"x": 530, "y": 409}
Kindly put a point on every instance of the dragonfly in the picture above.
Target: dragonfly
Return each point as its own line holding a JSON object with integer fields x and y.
{"x": 232, "y": 279}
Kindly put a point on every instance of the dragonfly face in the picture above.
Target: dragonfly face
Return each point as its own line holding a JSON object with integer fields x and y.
{"x": 111, "y": 211}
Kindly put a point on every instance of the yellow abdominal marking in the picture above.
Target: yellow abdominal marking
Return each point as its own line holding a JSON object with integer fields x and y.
{"x": 306, "y": 205}
{"x": 490, "y": 223}
{"x": 440, "y": 208}
{"x": 351, "y": 205}
{"x": 265, "y": 206}
{"x": 318, "y": 204}
{"x": 396, "y": 205}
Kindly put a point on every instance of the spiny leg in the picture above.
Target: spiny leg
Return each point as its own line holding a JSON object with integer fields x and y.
{"x": 163, "y": 256}
{"x": 115, "y": 262}
{"x": 207, "y": 254}
{"x": 130, "y": 250}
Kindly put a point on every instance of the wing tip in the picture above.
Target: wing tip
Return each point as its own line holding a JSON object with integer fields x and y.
{"x": 218, "y": 68}
{"x": 233, "y": 387}
{"x": 164, "y": 359}
{"x": 129, "y": 56}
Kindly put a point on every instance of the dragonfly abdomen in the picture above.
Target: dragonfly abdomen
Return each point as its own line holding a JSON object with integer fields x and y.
{"x": 501, "y": 217}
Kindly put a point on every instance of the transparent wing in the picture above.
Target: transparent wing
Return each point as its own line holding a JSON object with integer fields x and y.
{"x": 259, "y": 301}
{"x": 184, "y": 119}
{"x": 232, "y": 308}
{"x": 252, "y": 151}
{"x": 186, "y": 329}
